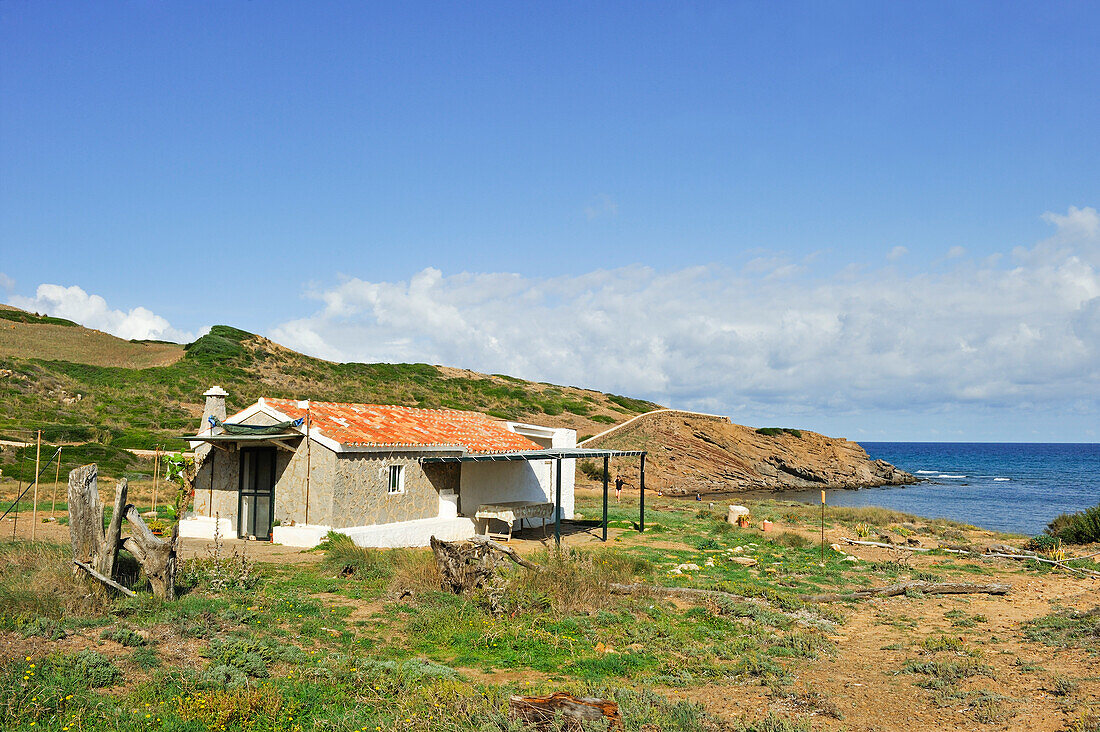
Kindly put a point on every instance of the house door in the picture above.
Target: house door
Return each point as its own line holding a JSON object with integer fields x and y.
{"x": 257, "y": 493}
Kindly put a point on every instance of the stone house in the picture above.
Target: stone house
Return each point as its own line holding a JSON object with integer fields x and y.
{"x": 290, "y": 471}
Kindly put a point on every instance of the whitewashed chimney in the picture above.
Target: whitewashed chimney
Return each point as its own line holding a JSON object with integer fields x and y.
{"x": 215, "y": 405}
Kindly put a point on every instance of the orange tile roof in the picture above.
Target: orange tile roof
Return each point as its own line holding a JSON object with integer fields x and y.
{"x": 379, "y": 425}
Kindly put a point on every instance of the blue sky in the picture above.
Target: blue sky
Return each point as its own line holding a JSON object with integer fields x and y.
{"x": 837, "y": 215}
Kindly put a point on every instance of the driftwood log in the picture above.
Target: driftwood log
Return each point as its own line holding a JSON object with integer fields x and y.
{"x": 991, "y": 553}
{"x": 464, "y": 565}
{"x": 541, "y": 712}
{"x": 928, "y": 588}
{"x": 90, "y": 543}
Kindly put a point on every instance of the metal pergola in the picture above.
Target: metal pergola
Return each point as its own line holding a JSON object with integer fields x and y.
{"x": 558, "y": 454}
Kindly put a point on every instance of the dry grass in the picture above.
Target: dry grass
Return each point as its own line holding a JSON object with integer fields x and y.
{"x": 399, "y": 570}
{"x": 81, "y": 345}
{"x": 36, "y": 579}
{"x": 572, "y": 581}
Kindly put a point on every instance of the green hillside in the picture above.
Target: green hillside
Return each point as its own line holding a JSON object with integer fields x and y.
{"x": 74, "y": 401}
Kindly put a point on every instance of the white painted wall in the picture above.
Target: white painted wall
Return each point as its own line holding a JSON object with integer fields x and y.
{"x": 202, "y": 527}
{"x": 411, "y": 533}
{"x": 521, "y": 481}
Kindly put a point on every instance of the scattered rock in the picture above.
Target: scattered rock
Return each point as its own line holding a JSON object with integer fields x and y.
{"x": 744, "y": 561}
{"x": 836, "y": 548}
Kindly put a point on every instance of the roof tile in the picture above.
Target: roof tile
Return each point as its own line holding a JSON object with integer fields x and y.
{"x": 380, "y": 425}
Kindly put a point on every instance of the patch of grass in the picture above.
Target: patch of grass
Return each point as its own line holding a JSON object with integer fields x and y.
{"x": 942, "y": 674}
{"x": 1066, "y": 629}
{"x": 791, "y": 539}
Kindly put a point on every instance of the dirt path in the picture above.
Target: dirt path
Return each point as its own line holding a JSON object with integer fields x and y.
{"x": 863, "y": 686}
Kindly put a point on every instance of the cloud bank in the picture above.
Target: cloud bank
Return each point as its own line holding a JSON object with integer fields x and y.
{"x": 1013, "y": 331}
{"x": 92, "y": 311}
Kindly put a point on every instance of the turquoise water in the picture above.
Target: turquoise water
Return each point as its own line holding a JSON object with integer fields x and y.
{"x": 1013, "y": 487}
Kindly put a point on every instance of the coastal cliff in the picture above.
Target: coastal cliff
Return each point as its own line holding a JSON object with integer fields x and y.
{"x": 691, "y": 454}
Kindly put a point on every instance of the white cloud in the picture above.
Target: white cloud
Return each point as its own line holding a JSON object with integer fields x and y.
{"x": 92, "y": 311}
{"x": 897, "y": 253}
{"x": 6, "y": 283}
{"x": 975, "y": 333}
{"x": 956, "y": 252}
{"x": 601, "y": 206}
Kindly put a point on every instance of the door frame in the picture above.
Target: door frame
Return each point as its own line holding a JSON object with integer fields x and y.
{"x": 242, "y": 531}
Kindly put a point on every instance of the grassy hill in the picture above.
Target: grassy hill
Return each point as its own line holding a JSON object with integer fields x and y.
{"x": 83, "y": 386}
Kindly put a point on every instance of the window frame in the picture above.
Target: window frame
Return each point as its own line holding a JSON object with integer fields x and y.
{"x": 399, "y": 472}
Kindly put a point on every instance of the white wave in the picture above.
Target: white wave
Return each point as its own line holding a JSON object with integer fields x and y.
{"x": 947, "y": 475}
{"x": 927, "y": 472}
{"x": 1002, "y": 479}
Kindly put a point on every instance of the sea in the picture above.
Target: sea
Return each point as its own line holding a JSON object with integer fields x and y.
{"x": 1012, "y": 487}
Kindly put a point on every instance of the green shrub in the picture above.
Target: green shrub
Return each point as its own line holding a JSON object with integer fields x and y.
{"x": 95, "y": 670}
{"x": 123, "y": 635}
{"x": 777, "y": 431}
{"x": 591, "y": 469}
{"x": 222, "y": 676}
{"x": 250, "y": 656}
{"x": 1082, "y": 527}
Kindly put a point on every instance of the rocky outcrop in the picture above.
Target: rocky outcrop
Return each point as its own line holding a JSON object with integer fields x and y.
{"x": 693, "y": 454}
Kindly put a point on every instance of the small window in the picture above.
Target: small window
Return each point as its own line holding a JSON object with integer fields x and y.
{"x": 397, "y": 479}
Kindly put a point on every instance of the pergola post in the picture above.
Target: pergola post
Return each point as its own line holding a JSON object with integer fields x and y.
{"x": 557, "y": 503}
{"x": 641, "y": 489}
{"x": 606, "y": 461}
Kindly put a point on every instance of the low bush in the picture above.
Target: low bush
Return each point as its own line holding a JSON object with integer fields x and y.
{"x": 777, "y": 431}
{"x": 124, "y": 636}
{"x": 1082, "y": 527}
{"x": 591, "y": 470}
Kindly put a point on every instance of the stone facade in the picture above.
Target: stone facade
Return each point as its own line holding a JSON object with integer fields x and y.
{"x": 345, "y": 489}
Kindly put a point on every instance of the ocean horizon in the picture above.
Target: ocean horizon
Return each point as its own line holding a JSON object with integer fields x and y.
{"x": 1015, "y": 487}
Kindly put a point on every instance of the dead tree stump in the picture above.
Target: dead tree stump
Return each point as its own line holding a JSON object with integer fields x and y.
{"x": 464, "y": 566}
{"x": 90, "y": 543}
{"x": 157, "y": 557}
{"x": 97, "y": 550}
{"x": 541, "y": 712}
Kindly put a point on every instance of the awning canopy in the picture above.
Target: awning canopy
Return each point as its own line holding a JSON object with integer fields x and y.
{"x": 241, "y": 438}
{"x": 550, "y": 453}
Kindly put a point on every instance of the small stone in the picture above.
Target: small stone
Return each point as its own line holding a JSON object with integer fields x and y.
{"x": 850, "y": 558}
{"x": 744, "y": 561}
{"x": 836, "y": 548}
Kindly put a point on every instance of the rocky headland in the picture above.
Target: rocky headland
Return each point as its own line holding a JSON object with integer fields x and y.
{"x": 691, "y": 454}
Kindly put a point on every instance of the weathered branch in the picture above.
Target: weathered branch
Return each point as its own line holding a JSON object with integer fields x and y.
{"x": 927, "y": 588}
{"x": 114, "y": 530}
{"x": 692, "y": 593}
{"x": 989, "y": 555}
{"x": 506, "y": 551}
{"x": 157, "y": 557}
{"x": 105, "y": 580}
{"x": 888, "y": 546}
